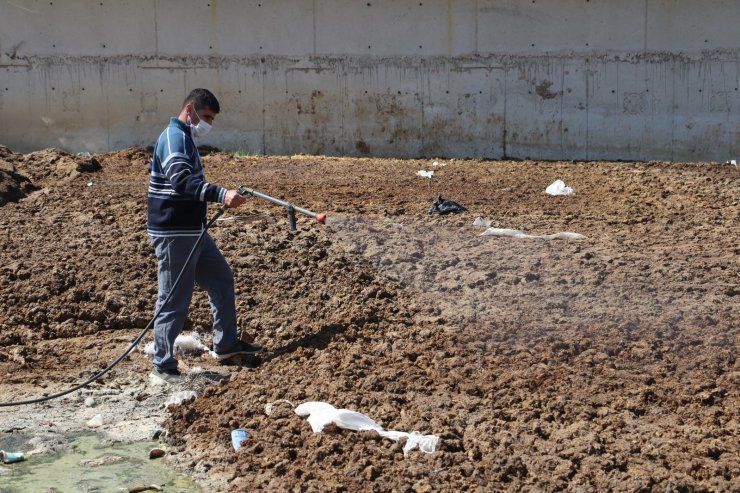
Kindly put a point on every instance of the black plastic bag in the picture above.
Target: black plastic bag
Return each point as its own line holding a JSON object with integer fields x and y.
{"x": 444, "y": 206}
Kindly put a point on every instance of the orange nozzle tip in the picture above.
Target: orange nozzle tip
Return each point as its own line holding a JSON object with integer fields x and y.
{"x": 321, "y": 218}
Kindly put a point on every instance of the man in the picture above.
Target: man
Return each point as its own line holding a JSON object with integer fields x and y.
{"x": 177, "y": 209}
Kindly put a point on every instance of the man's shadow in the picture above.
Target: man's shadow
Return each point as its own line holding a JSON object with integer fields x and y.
{"x": 317, "y": 340}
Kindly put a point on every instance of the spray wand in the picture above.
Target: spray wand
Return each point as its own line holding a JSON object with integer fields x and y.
{"x": 247, "y": 192}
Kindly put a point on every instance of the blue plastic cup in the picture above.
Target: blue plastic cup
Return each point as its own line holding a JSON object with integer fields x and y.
{"x": 237, "y": 436}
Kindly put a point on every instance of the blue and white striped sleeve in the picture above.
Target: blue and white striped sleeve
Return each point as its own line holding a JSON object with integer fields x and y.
{"x": 186, "y": 177}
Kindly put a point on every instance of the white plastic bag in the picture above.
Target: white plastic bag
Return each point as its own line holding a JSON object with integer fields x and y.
{"x": 426, "y": 443}
{"x": 184, "y": 344}
{"x": 189, "y": 344}
{"x": 321, "y": 414}
{"x": 558, "y": 187}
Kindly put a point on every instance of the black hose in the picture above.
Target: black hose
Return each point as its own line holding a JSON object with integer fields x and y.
{"x": 135, "y": 341}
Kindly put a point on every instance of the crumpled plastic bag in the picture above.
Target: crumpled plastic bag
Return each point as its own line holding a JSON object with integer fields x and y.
{"x": 444, "y": 206}
{"x": 425, "y": 174}
{"x": 184, "y": 344}
{"x": 558, "y": 187}
{"x": 320, "y": 414}
{"x": 189, "y": 344}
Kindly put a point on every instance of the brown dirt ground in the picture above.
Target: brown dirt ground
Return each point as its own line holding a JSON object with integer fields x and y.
{"x": 608, "y": 363}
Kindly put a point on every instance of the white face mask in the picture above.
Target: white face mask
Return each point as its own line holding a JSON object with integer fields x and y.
{"x": 202, "y": 128}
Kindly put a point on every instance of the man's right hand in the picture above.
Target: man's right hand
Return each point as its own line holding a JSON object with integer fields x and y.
{"x": 233, "y": 199}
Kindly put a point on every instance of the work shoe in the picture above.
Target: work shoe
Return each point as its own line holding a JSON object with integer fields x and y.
{"x": 166, "y": 377}
{"x": 241, "y": 348}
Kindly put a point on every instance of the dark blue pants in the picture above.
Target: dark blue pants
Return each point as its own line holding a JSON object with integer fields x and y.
{"x": 209, "y": 269}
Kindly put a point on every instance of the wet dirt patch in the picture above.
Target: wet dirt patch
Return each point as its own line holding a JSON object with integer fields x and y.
{"x": 89, "y": 463}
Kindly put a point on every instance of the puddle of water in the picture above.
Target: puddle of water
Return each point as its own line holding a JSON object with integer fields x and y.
{"x": 87, "y": 467}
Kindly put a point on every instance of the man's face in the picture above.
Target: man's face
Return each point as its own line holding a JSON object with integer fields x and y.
{"x": 206, "y": 113}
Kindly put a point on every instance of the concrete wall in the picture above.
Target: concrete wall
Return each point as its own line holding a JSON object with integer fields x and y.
{"x": 556, "y": 79}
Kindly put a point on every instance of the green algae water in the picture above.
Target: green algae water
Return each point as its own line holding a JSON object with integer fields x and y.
{"x": 85, "y": 466}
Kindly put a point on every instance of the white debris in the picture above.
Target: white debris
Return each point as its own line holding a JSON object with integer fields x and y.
{"x": 184, "y": 344}
{"x": 156, "y": 381}
{"x": 321, "y": 414}
{"x": 179, "y": 397}
{"x": 565, "y": 235}
{"x": 90, "y": 401}
{"x": 558, "y": 187}
{"x": 425, "y": 174}
{"x": 479, "y": 221}
{"x": 270, "y": 405}
{"x": 96, "y": 421}
{"x": 89, "y": 184}
{"x": 189, "y": 344}
{"x": 437, "y": 164}
{"x": 515, "y": 233}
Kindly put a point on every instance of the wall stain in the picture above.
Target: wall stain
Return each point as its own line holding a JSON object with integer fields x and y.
{"x": 543, "y": 90}
{"x": 362, "y": 147}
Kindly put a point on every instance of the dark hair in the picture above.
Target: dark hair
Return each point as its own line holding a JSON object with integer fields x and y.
{"x": 202, "y": 98}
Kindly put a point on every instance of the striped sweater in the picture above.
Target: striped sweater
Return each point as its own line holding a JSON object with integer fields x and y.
{"x": 178, "y": 193}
